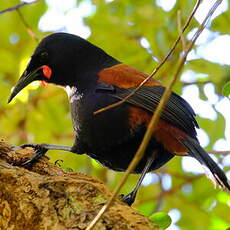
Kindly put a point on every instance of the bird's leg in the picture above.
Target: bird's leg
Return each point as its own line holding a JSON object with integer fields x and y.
{"x": 130, "y": 198}
{"x": 40, "y": 150}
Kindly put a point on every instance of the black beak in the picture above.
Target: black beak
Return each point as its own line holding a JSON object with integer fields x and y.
{"x": 24, "y": 80}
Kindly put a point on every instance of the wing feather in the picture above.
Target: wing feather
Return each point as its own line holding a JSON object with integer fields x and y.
{"x": 177, "y": 111}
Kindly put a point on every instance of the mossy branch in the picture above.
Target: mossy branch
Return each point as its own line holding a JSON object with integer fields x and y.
{"x": 44, "y": 196}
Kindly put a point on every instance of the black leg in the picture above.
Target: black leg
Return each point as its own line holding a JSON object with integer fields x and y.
{"x": 130, "y": 198}
{"x": 40, "y": 150}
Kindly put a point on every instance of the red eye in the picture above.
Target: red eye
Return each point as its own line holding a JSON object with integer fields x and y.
{"x": 47, "y": 71}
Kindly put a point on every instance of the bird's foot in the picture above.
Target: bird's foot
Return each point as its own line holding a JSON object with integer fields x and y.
{"x": 40, "y": 150}
{"x": 128, "y": 199}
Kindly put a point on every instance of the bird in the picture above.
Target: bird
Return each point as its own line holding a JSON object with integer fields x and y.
{"x": 93, "y": 80}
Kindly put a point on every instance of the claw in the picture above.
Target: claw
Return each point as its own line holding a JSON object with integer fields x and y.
{"x": 128, "y": 199}
{"x": 15, "y": 148}
{"x": 57, "y": 162}
{"x": 38, "y": 154}
{"x": 31, "y": 145}
{"x": 39, "y": 149}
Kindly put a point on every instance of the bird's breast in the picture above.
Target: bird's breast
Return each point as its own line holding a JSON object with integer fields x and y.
{"x": 103, "y": 130}
{"x": 73, "y": 94}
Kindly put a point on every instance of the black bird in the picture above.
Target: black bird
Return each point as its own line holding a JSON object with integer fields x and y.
{"x": 93, "y": 79}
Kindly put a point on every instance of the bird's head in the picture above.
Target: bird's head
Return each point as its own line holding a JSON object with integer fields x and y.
{"x": 66, "y": 60}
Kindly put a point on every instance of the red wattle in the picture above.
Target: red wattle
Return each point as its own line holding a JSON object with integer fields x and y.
{"x": 46, "y": 71}
{"x": 44, "y": 83}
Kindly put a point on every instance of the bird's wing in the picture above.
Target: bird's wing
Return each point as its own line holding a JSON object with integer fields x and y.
{"x": 177, "y": 111}
{"x": 124, "y": 79}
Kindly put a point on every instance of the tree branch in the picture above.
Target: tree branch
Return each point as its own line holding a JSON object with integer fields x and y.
{"x": 17, "y": 6}
{"x": 171, "y": 191}
{"x": 219, "y": 152}
{"x": 28, "y": 28}
{"x": 43, "y": 196}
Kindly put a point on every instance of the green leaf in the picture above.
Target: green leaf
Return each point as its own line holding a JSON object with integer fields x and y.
{"x": 223, "y": 197}
{"x": 221, "y": 23}
{"x": 146, "y": 208}
{"x": 218, "y": 223}
{"x": 226, "y": 89}
{"x": 213, "y": 70}
{"x": 162, "y": 219}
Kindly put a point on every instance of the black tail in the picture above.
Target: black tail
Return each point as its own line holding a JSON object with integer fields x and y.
{"x": 212, "y": 170}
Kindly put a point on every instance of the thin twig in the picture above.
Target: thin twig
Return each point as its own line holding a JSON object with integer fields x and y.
{"x": 174, "y": 189}
{"x": 153, "y": 123}
{"x": 219, "y": 152}
{"x": 195, "y": 83}
{"x": 162, "y": 190}
{"x": 157, "y": 68}
{"x": 180, "y": 30}
{"x": 17, "y": 6}
{"x": 28, "y": 28}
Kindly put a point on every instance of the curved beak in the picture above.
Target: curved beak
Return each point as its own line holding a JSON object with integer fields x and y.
{"x": 24, "y": 80}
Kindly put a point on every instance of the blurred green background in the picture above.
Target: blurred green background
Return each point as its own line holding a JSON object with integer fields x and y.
{"x": 138, "y": 33}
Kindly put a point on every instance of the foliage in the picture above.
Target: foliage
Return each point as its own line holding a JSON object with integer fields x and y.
{"x": 162, "y": 219}
{"x": 226, "y": 89}
{"x": 138, "y": 33}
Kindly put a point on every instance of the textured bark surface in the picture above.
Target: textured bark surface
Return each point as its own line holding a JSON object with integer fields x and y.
{"x": 43, "y": 196}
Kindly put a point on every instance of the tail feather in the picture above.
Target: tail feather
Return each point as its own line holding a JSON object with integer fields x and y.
{"x": 212, "y": 170}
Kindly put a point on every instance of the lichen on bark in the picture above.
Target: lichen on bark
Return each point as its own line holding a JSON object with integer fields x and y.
{"x": 44, "y": 196}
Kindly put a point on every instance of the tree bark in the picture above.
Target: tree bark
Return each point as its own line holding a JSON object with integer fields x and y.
{"x": 44, "y": 196}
